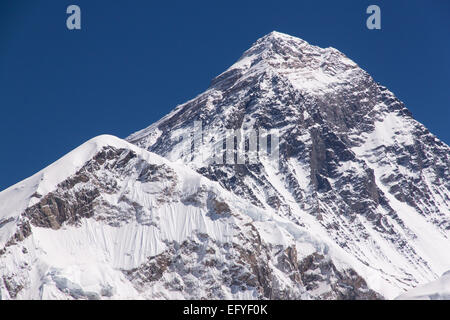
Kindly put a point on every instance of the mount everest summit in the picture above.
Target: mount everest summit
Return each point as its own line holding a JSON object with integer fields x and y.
{"x": 355, "y": 206}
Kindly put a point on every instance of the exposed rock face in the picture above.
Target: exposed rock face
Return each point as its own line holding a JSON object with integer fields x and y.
{"x": 317, "y": 270}
{"x": 357, "y": 207}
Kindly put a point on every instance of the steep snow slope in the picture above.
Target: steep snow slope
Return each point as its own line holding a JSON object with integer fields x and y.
{"x": 354, "y": 167}
{"x": 111, "y": 220}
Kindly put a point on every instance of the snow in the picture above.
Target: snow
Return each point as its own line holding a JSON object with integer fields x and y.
{"x": 389, "y": 131}
{"x": 428, "y": 241}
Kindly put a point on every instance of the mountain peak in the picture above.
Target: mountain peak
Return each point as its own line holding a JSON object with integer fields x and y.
{"x": 274, "y": 42}
{"x": 309, "y": 68}
{"x": 275, "y": 35}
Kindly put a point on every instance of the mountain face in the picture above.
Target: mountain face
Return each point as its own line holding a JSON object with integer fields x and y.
{"x": 355, "y": 205}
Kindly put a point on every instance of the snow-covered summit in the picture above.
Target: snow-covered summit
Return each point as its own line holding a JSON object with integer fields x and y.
{"x": 308, "y": 67}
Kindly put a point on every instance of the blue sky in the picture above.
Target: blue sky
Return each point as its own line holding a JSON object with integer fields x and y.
{"x": 134, "y": 61}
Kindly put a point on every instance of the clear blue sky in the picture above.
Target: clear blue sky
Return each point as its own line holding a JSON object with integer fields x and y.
{"x": 134, "y": 61}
